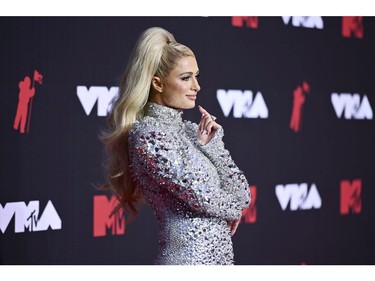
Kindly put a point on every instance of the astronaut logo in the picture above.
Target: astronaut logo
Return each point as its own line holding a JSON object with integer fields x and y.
{"x": 25, "y": 102}
{"x": 299, "y": 96}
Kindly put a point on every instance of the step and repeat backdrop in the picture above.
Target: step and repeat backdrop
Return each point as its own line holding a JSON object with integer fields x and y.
{"x": 295, "y": 95}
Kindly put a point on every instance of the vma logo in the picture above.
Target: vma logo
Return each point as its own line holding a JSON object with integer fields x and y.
{"x": 351, "y": 106}
{"x": 352, "y": 27}
{"x": 350, "y": 197}
{"x": 308, "y": 22}
{"x": 28, "y": 217}
{"x": 25, "y": 102}
{"x": 299, "y": 96}
{"x": 243, "y": 103}
{"x": 97, "y": 94}
{"x": 249, "y": 215}
{"x": 104, "y": 219}
{"x": 298, "y": 196}
{"x": 251, "y": 22}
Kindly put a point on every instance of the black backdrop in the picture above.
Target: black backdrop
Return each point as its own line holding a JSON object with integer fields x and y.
{"x": 314, "y": 183}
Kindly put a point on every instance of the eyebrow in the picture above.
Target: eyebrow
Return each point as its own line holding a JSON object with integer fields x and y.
{"x": 188, "y": 72}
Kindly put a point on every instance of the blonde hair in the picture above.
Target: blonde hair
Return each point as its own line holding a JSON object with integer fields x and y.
{"x": 155, "y": 54}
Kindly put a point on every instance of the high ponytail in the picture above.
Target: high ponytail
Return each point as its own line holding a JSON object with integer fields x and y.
{"x": 155, "y": 53}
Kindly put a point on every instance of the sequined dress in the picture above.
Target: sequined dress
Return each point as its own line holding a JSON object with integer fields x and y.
{"x": 193, "y": 189}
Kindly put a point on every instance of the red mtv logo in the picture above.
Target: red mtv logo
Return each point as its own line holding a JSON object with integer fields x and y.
{"x": 104, "y": 218}
{"x": 251, "y": 22}
{"x": 350, "y": 197}
{"x": 25, "y": 101}
{"x": 352, "y": 27}
{"x": 249, "y": 215}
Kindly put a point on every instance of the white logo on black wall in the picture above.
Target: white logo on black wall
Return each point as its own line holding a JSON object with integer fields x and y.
{"x": 243, "y": 104}
{"x": 28, "y": 217}
{"x": 351, "y": 106}
{"x": 99, "y": 95}
{"x": 298, "y": 196}
{"x": 307, "y": 22}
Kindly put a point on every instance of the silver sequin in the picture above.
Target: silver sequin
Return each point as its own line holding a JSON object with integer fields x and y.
{"x": 193, "y": 189}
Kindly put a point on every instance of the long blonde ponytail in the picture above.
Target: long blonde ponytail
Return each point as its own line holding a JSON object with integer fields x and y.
{"x": 155, "y": 53}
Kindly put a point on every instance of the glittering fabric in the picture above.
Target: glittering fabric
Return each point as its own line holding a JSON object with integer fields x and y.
{"x": 193, "y": 189}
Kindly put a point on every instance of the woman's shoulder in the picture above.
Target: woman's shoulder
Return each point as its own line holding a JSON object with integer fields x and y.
{"x": 146, "y": 126}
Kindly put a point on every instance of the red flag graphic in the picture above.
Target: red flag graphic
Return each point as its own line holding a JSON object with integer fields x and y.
{"x": 38, "y": 77}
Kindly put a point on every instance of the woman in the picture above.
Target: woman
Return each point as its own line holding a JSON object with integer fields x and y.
{"x": 181, "y": 168}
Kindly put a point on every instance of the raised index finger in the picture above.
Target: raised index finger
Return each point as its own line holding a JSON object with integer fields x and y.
{"x": 202, "y": 110}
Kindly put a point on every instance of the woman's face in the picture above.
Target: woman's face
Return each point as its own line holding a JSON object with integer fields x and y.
{"x": 179, "y": 89}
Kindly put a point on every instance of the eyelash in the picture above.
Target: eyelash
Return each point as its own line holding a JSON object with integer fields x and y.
{"x": 186, "y": 78}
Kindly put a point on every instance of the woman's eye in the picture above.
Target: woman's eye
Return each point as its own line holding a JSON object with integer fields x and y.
{"x": 186, "y": 78}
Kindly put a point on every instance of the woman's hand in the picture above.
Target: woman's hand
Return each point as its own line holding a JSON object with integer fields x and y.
{"x": 207, "y": 127}
{"x": 233, "y": 226}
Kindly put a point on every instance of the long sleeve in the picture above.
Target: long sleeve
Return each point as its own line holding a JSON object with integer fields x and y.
{"x": 231, "y": 177}
{"x": 182, "y": 170}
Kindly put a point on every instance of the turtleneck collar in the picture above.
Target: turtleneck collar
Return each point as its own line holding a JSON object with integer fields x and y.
{"x": 165, "y": 113}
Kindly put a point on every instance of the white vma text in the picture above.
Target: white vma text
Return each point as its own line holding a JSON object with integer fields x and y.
{"x": 97, "y": 94}
{"x": 307, "y": 22}
{"x": 350, "y": 106}
{"x": 298, "y": 196}
{"x": 243, "y": 103}
{"x": 29, "y": 217}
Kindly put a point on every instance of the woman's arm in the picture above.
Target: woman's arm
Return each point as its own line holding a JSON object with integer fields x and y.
{"x": 179, "y": 170}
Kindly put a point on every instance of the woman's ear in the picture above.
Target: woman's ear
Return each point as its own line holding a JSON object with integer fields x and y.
{"x": 157, "y": 84}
